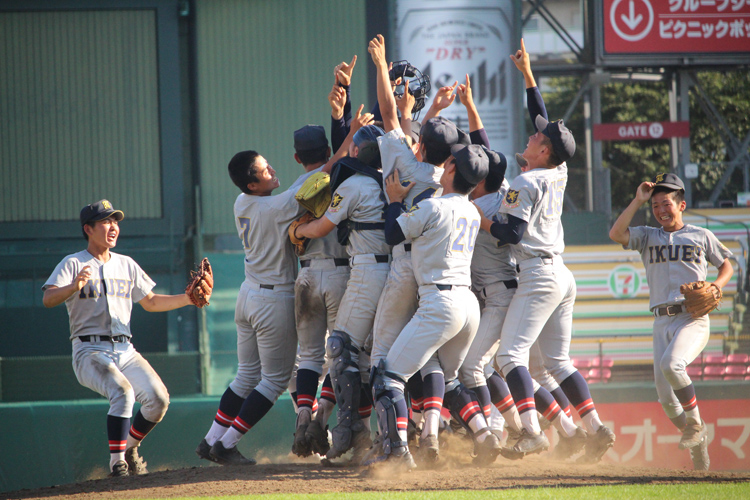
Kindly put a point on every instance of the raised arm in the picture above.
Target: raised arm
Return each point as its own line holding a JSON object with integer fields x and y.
{"x": 386, "y": 101}
{"x": 341, "y": 109}
{"x": 620, "y": 232}
{"x": 533, "y": 96}
{"x": 56, "y": 295}
{"x": 442, "y": 100}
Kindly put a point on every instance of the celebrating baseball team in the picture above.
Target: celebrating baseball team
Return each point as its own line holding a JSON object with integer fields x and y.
{"x": 403, "y": 274}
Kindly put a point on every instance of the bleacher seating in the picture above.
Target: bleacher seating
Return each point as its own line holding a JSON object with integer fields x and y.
{"x": 714, "y": 372}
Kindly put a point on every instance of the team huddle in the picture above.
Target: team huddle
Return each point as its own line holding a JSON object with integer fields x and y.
{"x": 424, "y": 280}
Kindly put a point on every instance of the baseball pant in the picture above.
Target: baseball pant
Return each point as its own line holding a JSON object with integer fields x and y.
{"x": 266, "y": 340}
{"x": 398, "y": 303}
{"x": 678, "y": 340}
{"x": 317, "y": 294}
{"x": 445, "y": 323}
{"x": 541, "y": 311}
{"x": 119, "y": 373}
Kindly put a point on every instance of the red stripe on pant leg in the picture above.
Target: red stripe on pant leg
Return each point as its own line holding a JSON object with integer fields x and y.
{"x": 690, "y": 404}
{"x": 305, "y": 400}
{"x": 241, "y": 425}
{"x": 585, "y": 408}
{"x": 137, "y": 435}
{"x": 223, "y": 419}
{"x": 327, "y": 393}
{"x": 505, "y": 404}
{"x": 469, "y": 411}
{"x": 417, "y": 404}
{"x": 525, "y": 405}
{"x": 552, "y": 412}
{"x": 433, "y": 403}
{"x": 401, "y": 423}
{"x": 117, "y": 446}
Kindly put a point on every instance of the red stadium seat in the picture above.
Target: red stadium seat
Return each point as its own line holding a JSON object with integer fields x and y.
{"x": 694, "y": 371}
{"x": 714, "y": 372}
{"x": 715, "y": 359}
{"x": 600, "y": 375}
{"x": 598, "y": 362}
{"x": 738, "y": 359}
{"x": 735, "y": 372}
{"x": 581, "y": 363}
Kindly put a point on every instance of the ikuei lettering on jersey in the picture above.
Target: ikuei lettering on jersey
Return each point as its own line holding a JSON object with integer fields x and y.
{"x": 95, "y": 288}
{"x": 672, "y": 253}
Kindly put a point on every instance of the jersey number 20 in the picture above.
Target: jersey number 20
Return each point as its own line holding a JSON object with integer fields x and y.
{"x": 458, "y": 243}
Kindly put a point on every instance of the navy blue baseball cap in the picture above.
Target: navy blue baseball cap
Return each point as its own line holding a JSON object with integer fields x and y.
{"x": 563, "y": 143}
{"x": 670, "y": 181}
{"x": 310, "y": 137}
{"x": 471, "y": 161}
{"x": 415, "y": 132}
{"x": 367, "y": 133}
{"x": 439, "y": 134}
{"x": 498, "y": 164}
{"x": 100, "y": 210}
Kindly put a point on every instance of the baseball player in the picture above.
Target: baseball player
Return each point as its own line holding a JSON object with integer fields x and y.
{"x": 443, "y": 232}
{"x": 99, "y": 288}
{"x": 266, "y": 333}
{"x": 542, "y": 307}
{"x": 673, "y": 254}
{"x": 357, "y": 208}
{"x": 318, "y": 290}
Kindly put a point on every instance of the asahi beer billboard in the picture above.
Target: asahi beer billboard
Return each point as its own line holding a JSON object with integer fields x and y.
{"x": 448, "y": 40}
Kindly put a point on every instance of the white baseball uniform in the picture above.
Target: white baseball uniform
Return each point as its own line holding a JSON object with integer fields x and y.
{"x": 671, "y": 259}
{"x": 104, "y": 359}
{"x": 399, "y": 302}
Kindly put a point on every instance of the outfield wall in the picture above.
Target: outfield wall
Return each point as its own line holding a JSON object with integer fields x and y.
{"x": 49, "y": 443}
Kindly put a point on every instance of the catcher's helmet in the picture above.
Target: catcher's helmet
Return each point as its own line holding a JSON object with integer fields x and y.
{"x": 419, "y": 84}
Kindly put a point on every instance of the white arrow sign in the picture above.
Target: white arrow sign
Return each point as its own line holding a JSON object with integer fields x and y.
{"x": 632, "y": 20}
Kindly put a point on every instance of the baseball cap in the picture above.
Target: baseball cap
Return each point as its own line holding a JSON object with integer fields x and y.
{"x": 439, "y": 133}
{"x": 367, "y": 133}
{"x": 471, "y": 162}
{"x": 497, "y": 162}
{"x": 100, "y": 210}
{"x": 563, "y": 143}
{"x": 416, "y": 130}
{"x": 670, "y": 181}
{"x": 310, "y": 137}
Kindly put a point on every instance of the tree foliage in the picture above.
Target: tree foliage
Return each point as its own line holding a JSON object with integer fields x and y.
{"x": 632, "y": 162}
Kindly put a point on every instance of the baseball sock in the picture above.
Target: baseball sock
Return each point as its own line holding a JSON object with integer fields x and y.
{"x": 551, "y": 410}
{"x": 416, "y": 394}
{"x": 117, "y": 432}
{"x": 229, "y": 407}
{"x": 503, "y": 401}
{"x": 402, "y": 412}
{"x": 482, "y": 392}
{"x": 325, "y": 408}
{"x": 686, "y": 397}
{"x": 434, "y": 391}
{"x": 562, "y": 400}
{"x": 253, "y": 409}
{"x": 522, "y": 389}
{"x": 138, "y": 430}
{"x": 680, "y": 421}
{"x": 463, "y": 403}
{"x": 577, "y": 390}
{"x": 307, "y": 388}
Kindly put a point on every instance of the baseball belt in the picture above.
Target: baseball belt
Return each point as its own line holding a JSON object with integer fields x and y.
{"x": 337, "y": 262}
{"x": 98, "y": 338}
{"x": 669, "y": 310}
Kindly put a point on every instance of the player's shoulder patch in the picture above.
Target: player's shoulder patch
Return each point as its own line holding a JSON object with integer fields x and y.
{"x": 335, "y": 203}
{"x": 511, "y": 199}
{"x": 411, "y": 211}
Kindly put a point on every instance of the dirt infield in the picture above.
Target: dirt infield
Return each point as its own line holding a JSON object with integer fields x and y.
{"x": 309, "y": 477}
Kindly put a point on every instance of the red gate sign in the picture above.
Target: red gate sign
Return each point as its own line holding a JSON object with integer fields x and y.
{"x": 640, "y": 131}
{"x": 676, "y": 26}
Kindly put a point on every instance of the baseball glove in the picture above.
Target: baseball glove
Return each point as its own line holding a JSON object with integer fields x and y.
{"x": 300, "y": 243}
{"x": 315, "y": 194}
{"x": 700, "y": 297}
{"x": 201, "y": 284}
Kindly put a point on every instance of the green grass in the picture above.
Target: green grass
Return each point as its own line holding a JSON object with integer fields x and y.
{"x": 738, "y": 491}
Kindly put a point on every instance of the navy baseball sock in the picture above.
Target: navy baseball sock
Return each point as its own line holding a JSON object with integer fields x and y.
{"x": 433, "y": 387}
{"x": 576, "y": 388}
{"x": 253, "y": 409}
{"x": 686, "y": 397}
{"x": 139, "y": 429}
{"x": 680, "y": 421}
{"x": 482, "y": 393}
{"x": 402, "y": 412}
{"x": 307, "y": 388}
{"x": 562, "y": 400}
{"x": 229, "y": 407}
{"x": 463, "y": 405}
{"x": 326, "y": 391}
{"x": 499, "y": 392}
{"x": 546, "y": 404}
{"x": 117, "y": 435}
{"x": 522, "y": 388}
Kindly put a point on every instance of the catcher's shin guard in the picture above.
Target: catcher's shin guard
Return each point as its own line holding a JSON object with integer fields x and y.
{"x": 347, "y": 386}
{"x": 388, "y": 390}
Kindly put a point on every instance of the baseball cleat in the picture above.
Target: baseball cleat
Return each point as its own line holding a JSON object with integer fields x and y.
{"x": 569, "y": 446}
{"x": 699, "y": 455}
{"x": 136, "y": 464}
{"x": 513, "y": 437}
{"x": 400, "y": 458}
{"x": 317, "y": 436}
{"x": 429, "y": 448}
{"x": 119, "y": 469}
{"x": 204, "y": 451}
{"x": 530, "y": 443}
{"x": 487, "y": 451}
{"x": 228, "y": 456}
{"x": 597, "y": 445}
{"x": 692, "y": 435}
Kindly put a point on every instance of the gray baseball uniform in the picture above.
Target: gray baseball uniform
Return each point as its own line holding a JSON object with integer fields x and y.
{"x": 266, "y": 333}
{"x": 399, "y": 302}
{"x": 100, "y": 311}
{"x": 671, "y": 259}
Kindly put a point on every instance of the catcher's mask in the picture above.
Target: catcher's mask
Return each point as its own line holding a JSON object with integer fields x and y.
{"x": 419, "y": 84}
